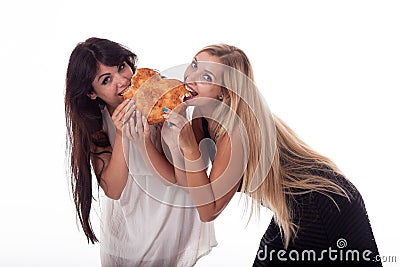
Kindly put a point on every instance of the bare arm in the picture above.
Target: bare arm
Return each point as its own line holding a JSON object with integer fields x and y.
{"x": 111, "y": 168}
{"x": 157, "y": 163}
{"x": 211, "y": 194}
{"x": 153, "y": 156}
{"x": 176, "y": 155}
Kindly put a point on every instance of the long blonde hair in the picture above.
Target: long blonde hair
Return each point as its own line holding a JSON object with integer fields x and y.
{"x": 279, "y": 163}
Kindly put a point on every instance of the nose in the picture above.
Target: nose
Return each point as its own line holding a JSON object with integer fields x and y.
{"x": 121, "y": 80}
{"x": 190, "y": 77}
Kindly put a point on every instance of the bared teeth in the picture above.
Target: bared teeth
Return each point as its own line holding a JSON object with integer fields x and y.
{"x": 191, "y": 91}
{"x": 185, "y": 97}
{"x": 124, "y": 91}
{"x": 189, "y": 95}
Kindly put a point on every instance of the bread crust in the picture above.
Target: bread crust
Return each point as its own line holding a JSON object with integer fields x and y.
{"x": 151, "y": 93}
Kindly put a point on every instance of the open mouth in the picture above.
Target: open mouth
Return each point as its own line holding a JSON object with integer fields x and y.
{"x": 125, "y": 90}
{"x": 191, "y": 93}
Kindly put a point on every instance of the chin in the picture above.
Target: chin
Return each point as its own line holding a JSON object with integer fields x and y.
{"x": 207, "y": 102}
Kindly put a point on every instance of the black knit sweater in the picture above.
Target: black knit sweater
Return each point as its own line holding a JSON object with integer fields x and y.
{"x": 328, "y": 235}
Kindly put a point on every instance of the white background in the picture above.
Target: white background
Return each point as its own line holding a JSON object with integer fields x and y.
{"x": 330, "y": 69}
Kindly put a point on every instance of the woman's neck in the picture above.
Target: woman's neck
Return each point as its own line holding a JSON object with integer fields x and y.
{"x": 110, "y": 109}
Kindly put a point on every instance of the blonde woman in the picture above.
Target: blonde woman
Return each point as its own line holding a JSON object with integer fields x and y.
{"x": 319, "y": 216}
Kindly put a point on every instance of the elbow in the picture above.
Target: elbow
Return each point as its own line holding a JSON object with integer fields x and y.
{"x": 207, "y": 217}
{"x": 113, "y": 195}
{"x": 113, "y": 190}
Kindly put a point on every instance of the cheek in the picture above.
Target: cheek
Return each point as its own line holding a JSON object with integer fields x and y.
{"x": 128, "y": 72}
{"x": 103, "y": 91}
{"x": 209, "y": 90}
{"x": 214, "y": 91}
{"x": 95, "y": 89}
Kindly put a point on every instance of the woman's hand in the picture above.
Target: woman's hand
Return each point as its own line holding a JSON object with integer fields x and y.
{"x": 137, "y": 129}
{"x": 177, "y": 131}
{"x": 122, "y": 113}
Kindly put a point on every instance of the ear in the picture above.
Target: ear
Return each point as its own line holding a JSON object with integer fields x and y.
{"x": 224, "y": 92}
{"x": 92, "y": 95}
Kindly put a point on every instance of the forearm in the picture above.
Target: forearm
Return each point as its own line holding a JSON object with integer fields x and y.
{"x": 157, "y": 163}
{"x": 199, "y": 186}
{"x": 179, "y": 167}
{"x": 114, "y": 176}
{"x": 211, "y": 194}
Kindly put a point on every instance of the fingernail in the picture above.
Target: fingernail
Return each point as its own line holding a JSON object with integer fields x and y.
{"x": 170, "y": 125}
{"x": 164, "y": 109}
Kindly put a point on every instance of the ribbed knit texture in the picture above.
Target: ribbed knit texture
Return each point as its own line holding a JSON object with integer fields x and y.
{"x": 343, "y": 231}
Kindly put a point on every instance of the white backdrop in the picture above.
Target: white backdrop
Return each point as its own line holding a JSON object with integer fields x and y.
{"x": 330, "y": 69}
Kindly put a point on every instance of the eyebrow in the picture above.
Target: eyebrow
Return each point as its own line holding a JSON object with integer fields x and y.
{"x": 103, "y": 75}
{"x": 210, "y": 72}
{"x": 207, "y": 70}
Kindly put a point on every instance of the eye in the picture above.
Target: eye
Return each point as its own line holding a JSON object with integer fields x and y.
{"x": 106, "y": 80}
{"x": 207, "y": 78}
{"x": 194, "y": 64}
{"x": 121, "y": 66}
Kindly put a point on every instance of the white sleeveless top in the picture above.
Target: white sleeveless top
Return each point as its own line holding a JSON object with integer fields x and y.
{"x": 142, "y": 229}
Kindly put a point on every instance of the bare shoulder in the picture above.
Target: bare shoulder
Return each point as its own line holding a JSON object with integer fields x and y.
{"x": 100, "y": 151}
{"x": 100, "y": 143}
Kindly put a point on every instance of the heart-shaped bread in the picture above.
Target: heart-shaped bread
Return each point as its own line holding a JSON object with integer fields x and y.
{"x": 151, "y": 93}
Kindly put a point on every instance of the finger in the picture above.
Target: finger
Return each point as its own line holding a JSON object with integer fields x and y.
{"x": 177, "y": 119}
{"x": 131, "y": 128}
{"x": 130, "y": 112}
{"x": 181, "y": 108}
{"x": 126, "y": 129}
{"x": 117, "y": 115}
{"x": 146, "y": 127}
{"x": 121, "y": 106}
{"x": 168, "y": 121}
{"x": 139, "y": 123}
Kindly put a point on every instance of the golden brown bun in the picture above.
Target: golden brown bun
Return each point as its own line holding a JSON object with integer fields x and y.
{"x": 151, "y": 93}
{"x": 141, "y": 75}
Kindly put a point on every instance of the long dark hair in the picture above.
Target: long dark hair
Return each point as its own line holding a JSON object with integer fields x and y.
{"x": 83, "y": 117}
